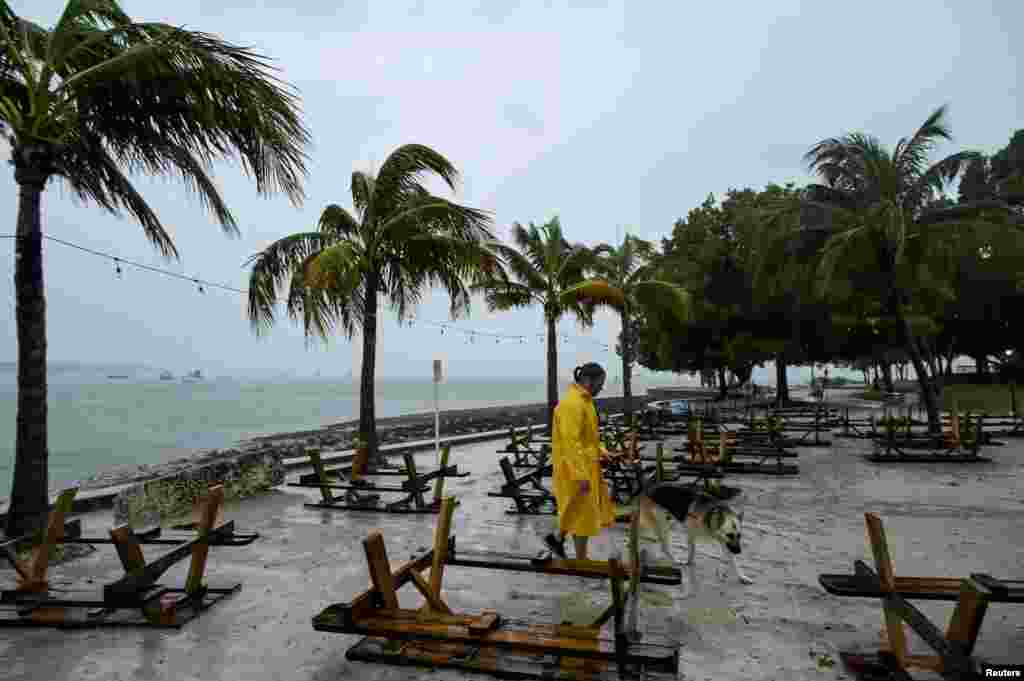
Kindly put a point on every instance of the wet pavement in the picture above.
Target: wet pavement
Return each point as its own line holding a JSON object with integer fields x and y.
{"x": 941, "y": 519}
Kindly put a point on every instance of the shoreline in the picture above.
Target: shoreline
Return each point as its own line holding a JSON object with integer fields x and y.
{"x": 338, "y": 437}
{"x": 391, "y": 430}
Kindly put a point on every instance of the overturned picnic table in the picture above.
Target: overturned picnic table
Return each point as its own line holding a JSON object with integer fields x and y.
{"x": 972, "y": 596}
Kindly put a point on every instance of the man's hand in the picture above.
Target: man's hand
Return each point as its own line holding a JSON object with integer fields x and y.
{"x": 584, "y": 487}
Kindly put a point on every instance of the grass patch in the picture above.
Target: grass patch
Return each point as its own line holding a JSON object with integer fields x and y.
{"x": 873, "y": 395}
{"x": 171, "y": 501}
{"x": 989, "y": 399}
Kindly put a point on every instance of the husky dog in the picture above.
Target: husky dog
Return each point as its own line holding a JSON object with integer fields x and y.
{"x": 707, "y": 519}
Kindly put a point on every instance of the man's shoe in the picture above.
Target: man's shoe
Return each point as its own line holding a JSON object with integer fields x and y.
{"x": 557, "y": 546}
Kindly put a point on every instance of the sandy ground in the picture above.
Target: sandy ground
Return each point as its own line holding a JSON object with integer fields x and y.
{"x": 942, "y": 520}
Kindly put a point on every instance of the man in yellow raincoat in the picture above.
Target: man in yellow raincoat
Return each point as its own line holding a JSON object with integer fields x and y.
{"x": 581, "y": 493}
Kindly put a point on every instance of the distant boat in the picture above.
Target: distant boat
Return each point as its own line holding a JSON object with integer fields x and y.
{"x": 194, "y": 375}
{"x": 166, "y": 376}
{"x": 117, "y": 375}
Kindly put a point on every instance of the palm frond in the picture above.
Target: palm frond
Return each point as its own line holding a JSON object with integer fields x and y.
{"x": 307, "y": 304}
{"x": 664, "y": 296}
{"x": 572, "y": 263}
{"x": 81, "y": 24}
{"x": 520, "y": 267}
{"x": 432, "y": 214}
{"x": 400, "y": 174}
{"x": 593, "y": 293}
{"x": 988, "y": 209}
{"x": 934, "y": 179}
{"x": 834, "y": 249}
{"x": 505, "y": 297}
{"x": 24, "y": 45}
{"x": 338, "y": 267}
{"x": 531, "y": 244}
{"x": 362, "y": 192}
{"x": 166, "y": 88}
{"x": 94, "y": 175}
{"x": 338, "y": 223}
{"x": 271, "y": 270}
{"x": 912, "y": 155}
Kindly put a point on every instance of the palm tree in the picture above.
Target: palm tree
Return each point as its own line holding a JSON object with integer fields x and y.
{"x": 629, "y": 274}
{"x": 546, "y": 270}
{"x": 401, "y": 240}
{"x": 884, "y": 207}
{"x": 98, "y": 95}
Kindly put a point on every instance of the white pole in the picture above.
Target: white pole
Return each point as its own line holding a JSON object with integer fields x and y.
{"x": 437, "y": 413}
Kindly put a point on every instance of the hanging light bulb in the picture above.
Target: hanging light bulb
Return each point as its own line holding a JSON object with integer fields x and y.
{"x": 497, "y": 341}
{"x": 117, "y": 267}
{"x": 199, "y": 285}
{"x": 442, "y": 329}
{"x": 522, "y": 340}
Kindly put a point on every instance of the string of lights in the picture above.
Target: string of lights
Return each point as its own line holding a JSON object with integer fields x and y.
{"x": 202, "y": 284}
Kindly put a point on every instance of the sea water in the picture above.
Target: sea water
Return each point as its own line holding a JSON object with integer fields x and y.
{"x": 97, "y": 422}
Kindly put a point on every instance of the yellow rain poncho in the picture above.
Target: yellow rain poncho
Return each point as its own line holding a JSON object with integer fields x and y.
{"x": 575, "y": 452}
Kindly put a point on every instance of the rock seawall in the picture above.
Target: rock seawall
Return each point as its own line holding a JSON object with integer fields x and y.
{"x": 170, "y": 498}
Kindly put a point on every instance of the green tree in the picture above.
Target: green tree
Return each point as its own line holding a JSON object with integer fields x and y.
{"x": 401, "y": 240}
{"x": 542, "y": 268}
{"x": 98, "y": 95}
{"x": 630, "y": 271}
{"x": 880, "y": 204}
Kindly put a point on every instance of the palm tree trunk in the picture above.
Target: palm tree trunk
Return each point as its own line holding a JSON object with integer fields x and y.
{"x": 552, "y": 373}
{"x": 981, "y": 364}
{"x": 627, "y": 365}
{"x": 781, "y": 381}
{"x": 367, "y": 413}
{"x": 928, "y": 393}
{"x": 723, "y": 385}
{"x": 887, "y": 376}
{"x": 30, "y": 486}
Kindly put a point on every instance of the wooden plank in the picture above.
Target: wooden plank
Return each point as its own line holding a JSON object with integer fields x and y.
{"x": 414, "y": 485}
{"x": 951, "y": 651}
{"x": 540, "y": 639}
{"x": 364, "y": 603}
{"x": 594, "y": 569}
{"x": 434, "y": 601}
{"x": 321, "y": 474}
{"x": 361, "y": 488}
{"x": 211, "y": 509}
{"x": 443, "y": 464}
{"x": 487, "y": 621}
{"x": 129, "y": 551}
{"x": 621, "y": 644}
{"x": 441, "y": 533}
{"x": 503, "y": 663}
{"x": 32, "y": 574}
{"x": 926, "y": 588}
{"x": 380, "y": 569}
{"x": 883, "y": 563}
{"x": 127, "y": 588}
{"x": 965, "y": 624}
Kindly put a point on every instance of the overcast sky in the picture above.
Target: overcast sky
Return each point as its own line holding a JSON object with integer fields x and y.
{"x": 607, "y": 116}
